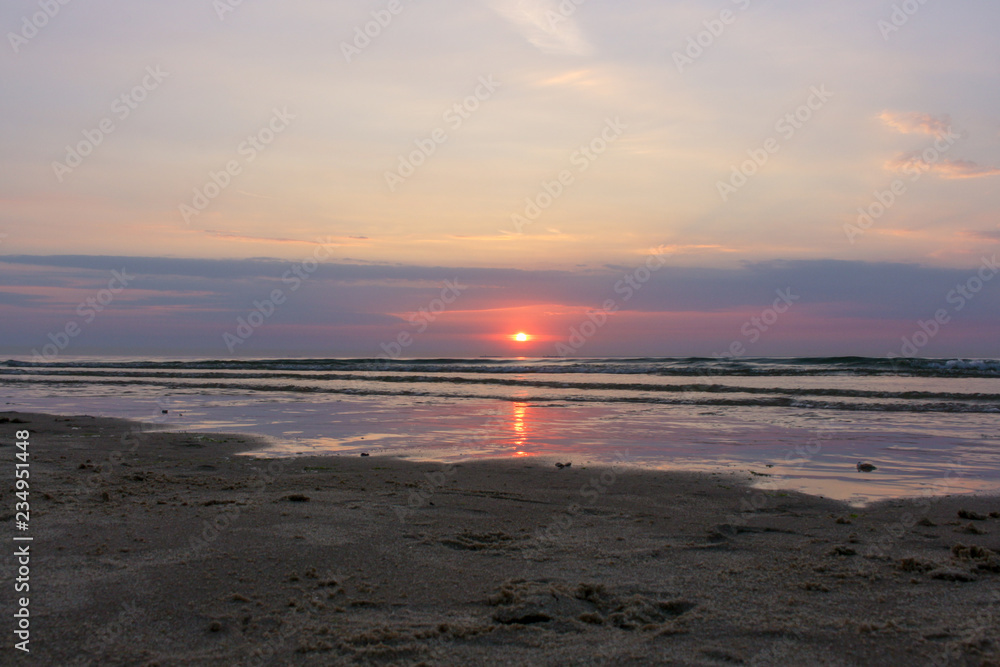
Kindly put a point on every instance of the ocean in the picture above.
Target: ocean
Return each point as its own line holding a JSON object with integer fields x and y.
{"x": 929, "y": 425}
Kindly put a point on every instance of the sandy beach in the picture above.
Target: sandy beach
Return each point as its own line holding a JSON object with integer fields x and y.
{"x": 155, "y": 548}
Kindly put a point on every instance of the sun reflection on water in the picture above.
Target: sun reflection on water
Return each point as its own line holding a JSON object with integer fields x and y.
{"x": 520, "y": 425}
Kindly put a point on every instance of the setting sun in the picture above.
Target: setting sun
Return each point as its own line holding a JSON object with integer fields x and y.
{"x": 521, "y": 337}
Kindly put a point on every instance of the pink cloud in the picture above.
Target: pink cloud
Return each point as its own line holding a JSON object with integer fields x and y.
{"x": 952, "y": 169}
{"x": 916, "y": 123}
{"x": 947, "y": 169}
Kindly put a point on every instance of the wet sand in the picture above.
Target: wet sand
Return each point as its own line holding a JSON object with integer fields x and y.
{"x": 168, "y": 549}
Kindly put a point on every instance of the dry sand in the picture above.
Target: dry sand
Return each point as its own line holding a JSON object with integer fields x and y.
{"x": 155, "y": 548}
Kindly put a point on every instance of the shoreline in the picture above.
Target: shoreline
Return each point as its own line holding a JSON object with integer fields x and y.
{"x": 914, "y": 462}
{"x": 168, "y": 547}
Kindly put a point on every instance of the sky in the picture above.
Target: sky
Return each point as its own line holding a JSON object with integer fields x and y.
{"x": 418, "y": 178}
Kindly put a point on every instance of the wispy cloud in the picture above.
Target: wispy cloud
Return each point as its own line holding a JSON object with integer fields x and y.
{"x": 916, "y": 123}
{"x": 984, "y": 235}
{"x": 243, "y": 238}
{"x": 691, "y": 248}
{"x": 251, "y": 194}
{"x": 952, "y": 169}
{"x": 946, "y": 169}
{"x": 235, "y": 236}
{"x": 545, "y": 24}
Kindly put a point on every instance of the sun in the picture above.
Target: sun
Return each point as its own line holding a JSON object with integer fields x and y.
{"x": 522, "y": 337}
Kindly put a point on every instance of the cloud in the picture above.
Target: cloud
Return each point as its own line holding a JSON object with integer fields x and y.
{"x": 946, "y": 169}
{"x": 235, "y": 236}
{"x": 329, "y": 240}
{"x": 917, "y": 123}
{"x": 545, "y": 25}
{"x": 937, "y": 126}
{"x": 952, "y": 169}
{"x": 391, "y": 288}
{"x": 983, "y": 235}
{"x": 185, "y": 305}
{"x": 16, "y": 299}
{"x": 261, "y": 268}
